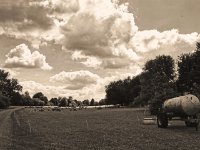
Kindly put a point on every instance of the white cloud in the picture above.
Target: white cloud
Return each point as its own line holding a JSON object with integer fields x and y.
{"x": 95, "y": 89}
{"x": 98, "y": 33}
{"x": 51, "y": 91}
{"x": 149, "y": 40}
{"x": 75, "y": 80}
{"x": 58, "y": 6}
{"x": 88, "y": 61}
{"x": 1, "y": 30}
{"x": 54, "y": 91}
{"x": 93, "y": 62}
{"x": 12, "y": 73}
{"x": 21, "y": 56}
{"x": 100, "y": 29}
{"x": 104, "y": 31}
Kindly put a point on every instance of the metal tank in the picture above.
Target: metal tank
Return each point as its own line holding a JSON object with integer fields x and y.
{"x": 183, "y": 105}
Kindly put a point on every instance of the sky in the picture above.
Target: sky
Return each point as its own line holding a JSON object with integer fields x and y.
{"x": 77, "y": 47}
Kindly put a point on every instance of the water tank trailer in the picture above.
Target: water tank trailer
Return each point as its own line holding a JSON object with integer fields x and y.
{"x": 186, "y": 108}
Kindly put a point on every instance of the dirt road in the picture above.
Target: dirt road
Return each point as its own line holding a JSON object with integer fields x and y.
{"x": 6, "y": 127}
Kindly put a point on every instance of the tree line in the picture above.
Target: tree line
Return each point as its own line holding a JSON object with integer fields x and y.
{"x": 11, "y": 94}
{"x": 160, "y": 79}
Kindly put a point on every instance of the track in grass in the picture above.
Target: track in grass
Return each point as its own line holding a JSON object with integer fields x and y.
{"x": 95, "y": 129}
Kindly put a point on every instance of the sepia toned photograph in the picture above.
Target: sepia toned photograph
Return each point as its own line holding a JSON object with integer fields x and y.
{"x": 99, "y": 74}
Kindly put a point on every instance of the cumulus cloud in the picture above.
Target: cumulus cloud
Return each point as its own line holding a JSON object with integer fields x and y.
{"x": 24, "y": 16}
{"x": 59, "y": 6}
{"x": 148, "y": 40}
{"x": 104, "y": 31}
{"x": 150, "y": 43}
{"x": 89, "y": 61}
{"x": 12, "y": 73}
{"x": 113, "y": 38}
{"x": 55, "y": 91}
{"x": 21, "y": 56}
{"x": 51, "y": 91}
{"x": 75, "y": 80}
{"x": 101, "y": 29}
{"x": 98, "y": 33}
{"x": 30, "y": 21}
{"x": 95, "y": 89}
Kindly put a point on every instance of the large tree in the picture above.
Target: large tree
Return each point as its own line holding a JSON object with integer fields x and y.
{"x": 4, "y": 102}
{"x": 123, "y": 91}
{"x": 185, "y": 65}
{"x": 27, "y": 99}
{"x": 54, "y": 101}
{"x": 189, "y": 72}
{"x": 17, "y": 99}
{"x": 8, "y": 86}
{"x": 157, "y": 81}
{"x": 41, "y": 97}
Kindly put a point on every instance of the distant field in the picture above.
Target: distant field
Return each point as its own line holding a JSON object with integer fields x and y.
{"x": 104, "y": 129}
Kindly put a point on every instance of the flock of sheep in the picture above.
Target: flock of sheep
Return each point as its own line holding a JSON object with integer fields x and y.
{"x": 51, "y": 108}
{"x": 71, "y": 108}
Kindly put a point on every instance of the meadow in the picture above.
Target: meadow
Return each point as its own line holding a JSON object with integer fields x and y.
{"x": 95, "y": 129}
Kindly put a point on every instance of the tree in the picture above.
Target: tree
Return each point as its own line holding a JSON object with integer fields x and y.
{"x": 157, "y": 82}
{"x": 27, "y": 100}
{"x": 86, "y": 102}
{"x": 70, "y": 98}
{"x": 195, "y": 72}
{"x": 8, "y": 87}
{"x": 163, "y": 65}
{"x": 145, "y": 93}
{"x": 37, "y": 102}
{"x": 116, "y": 93}
{"x": 38, "y": 95}
{"x": 102, "y": 102}
{"x": 189, "y": 72}
{"x": 54, "y": 101}
{"x": 4, "y": 102}
{"x": 123, "y": 91}
{"x": 185, "y": 65}
{"x": 63, "y": 102}
{"x": 44, "y": 99}
{"x": 41, "y": 96}
{"x": 17, "y": 99}
{"x": 92, "y": 102}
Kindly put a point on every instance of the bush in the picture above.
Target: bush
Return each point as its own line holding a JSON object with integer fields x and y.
{"x": 155, "y": 106}
{"x": 4, "y": 102}
{"x": 38, "y": 102}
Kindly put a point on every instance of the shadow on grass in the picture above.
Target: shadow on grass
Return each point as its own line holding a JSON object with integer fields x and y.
{"x": 181, "y": 129}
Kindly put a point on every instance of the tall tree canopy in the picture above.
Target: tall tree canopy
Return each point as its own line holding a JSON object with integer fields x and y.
{"x": 123, "y": 91}
{"x": 41, "y": 97}
{"x": 8, "y": 86}
{"x": 189, "y": 72}
{"x": 184, "y": 82}
{"x": 157, "y": 81}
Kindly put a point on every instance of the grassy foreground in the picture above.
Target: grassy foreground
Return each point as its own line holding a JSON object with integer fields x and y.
{"x": 92, "y": 129}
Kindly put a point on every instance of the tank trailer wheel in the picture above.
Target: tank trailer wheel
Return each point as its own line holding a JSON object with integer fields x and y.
{"x": 192, "y": 124}
{"x": 188, "y": 124}
{"x": 162, "y": 121}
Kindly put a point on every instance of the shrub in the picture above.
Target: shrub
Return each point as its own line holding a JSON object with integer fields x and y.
{"x": 4, "y": 102}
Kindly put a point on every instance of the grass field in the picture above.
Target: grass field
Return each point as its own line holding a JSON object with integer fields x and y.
{"x": 94, "y": 129}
